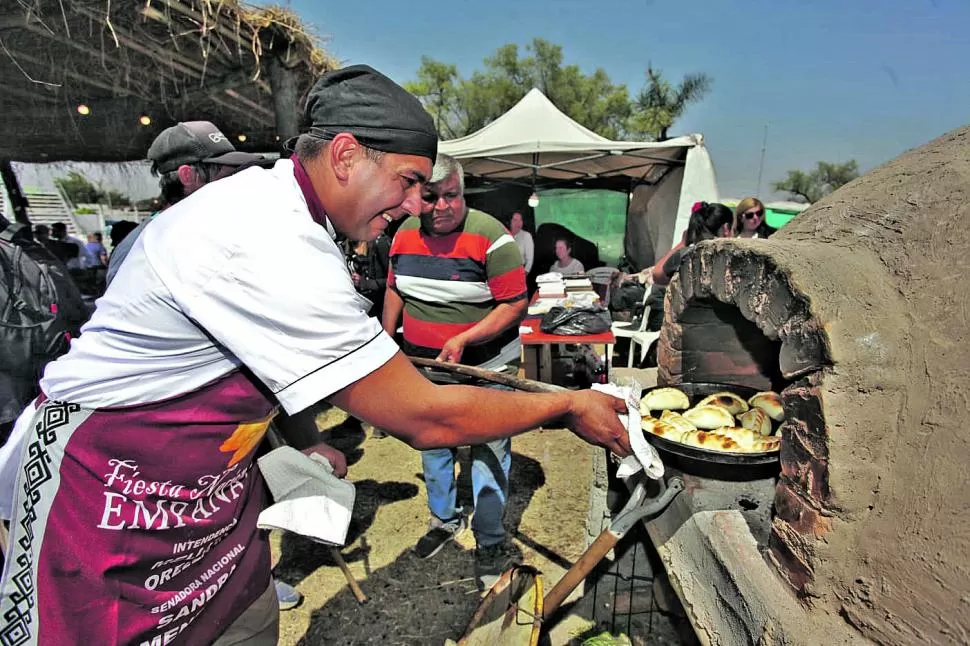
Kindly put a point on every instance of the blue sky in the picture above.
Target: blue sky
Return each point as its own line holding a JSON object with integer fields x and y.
{"x": 834, "y": 80}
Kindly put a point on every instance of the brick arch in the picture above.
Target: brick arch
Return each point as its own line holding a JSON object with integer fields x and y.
{"x": 750, "y": 282}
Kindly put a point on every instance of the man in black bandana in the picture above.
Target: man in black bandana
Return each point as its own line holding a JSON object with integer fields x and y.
{"x": 145, "y": 529}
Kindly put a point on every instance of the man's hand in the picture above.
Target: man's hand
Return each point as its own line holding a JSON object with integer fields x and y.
{"x": 452, "y": 350}
{"x": 593, "y": 417}
{"x": 336, "y": 459}
{"x": 354, "y": 276}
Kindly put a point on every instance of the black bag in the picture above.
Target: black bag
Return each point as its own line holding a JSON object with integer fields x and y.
{"x": 627, "y": 297}
{"x": 576, "y": 321}
{"x": 40, "y": 307}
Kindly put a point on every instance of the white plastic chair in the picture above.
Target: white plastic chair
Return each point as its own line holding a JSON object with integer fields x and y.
{"x": 638, "y": 336}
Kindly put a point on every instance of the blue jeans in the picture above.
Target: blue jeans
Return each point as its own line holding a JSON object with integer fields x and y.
{"x": 490, "y": 487}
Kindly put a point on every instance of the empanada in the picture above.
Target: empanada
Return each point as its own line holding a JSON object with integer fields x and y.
{"x": 734, "y": 404}
{"x": 745, "y": 437}
{"x": 711, "y": 441}
{"x": 709, "y": 417}
{"x": 664, "y": 399}
{"x": 657, "y": 427}
{"x": 677, "y": 420}
{"x": 756, "y": 420}
{"x": 770, "y": 403}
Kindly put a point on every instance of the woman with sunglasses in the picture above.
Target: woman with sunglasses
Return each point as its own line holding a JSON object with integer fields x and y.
{"x": 749, "y": 219}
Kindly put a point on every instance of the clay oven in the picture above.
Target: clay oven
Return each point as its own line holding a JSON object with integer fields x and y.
{"x": 857, "y": 312}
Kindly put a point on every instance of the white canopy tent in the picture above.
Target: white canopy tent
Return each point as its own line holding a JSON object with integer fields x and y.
{"x": 537, "y": 145}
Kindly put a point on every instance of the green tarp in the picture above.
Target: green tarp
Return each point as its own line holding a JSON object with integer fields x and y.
{"x": 598, "y": 216}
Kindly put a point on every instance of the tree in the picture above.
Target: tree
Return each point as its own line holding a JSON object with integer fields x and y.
{"x": 438, "y": 88}
{"x": 462, "y": 106}
{"x": 115, "y": 199}
{"x": 658, "y": 104}
{"x": 816, "y": 184}
{"x": 78, "y": 189}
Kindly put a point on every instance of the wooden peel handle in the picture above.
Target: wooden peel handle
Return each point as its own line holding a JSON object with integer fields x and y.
{"x": 351, "y": 581}
{"x": 528, "y": 385}
{"x": 579, "y": 571}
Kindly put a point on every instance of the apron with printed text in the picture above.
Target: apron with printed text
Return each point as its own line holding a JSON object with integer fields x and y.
{"x": 137, "y": 525}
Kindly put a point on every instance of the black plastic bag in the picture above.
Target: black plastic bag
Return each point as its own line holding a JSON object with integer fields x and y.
{"x": 576, "y": 321}
{"x": 627, "y": 297}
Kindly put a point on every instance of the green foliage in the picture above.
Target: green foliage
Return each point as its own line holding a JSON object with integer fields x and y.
{"x": 462, "y": 106}
{"x": 659, "y": 104}
{"x": 437, "y": 86}
{"x": 116, "y": 199}
{"x": 78, "y": 189}
{"x": 816, "y": 184}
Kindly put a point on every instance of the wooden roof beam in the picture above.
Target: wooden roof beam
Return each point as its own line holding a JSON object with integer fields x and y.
{"x": 222, "y": 30}
{"x": 155, "y": 52}
{"x": 6, "y": 90}
{"x": 87, "y": 80}
{"x": 84, "y": 49}
{"x": 13, "y": 22}
{"x": 175, "y": 5}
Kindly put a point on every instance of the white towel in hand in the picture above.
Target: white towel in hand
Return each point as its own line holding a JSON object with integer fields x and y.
{"x": 644, "y": 456}
{"x": 310, "y": 500}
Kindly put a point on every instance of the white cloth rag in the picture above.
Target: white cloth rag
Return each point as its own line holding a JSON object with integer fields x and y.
{"x": 644, "y": 456}
{"x": 310, "y": 499}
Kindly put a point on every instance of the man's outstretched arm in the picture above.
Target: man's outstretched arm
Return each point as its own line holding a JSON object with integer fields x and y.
{"x": 399, "y": 400}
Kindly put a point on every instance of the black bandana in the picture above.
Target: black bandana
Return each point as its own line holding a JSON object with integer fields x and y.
{"x": 377, "y": 111}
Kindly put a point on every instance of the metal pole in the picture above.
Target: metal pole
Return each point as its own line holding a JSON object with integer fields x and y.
{"x": 761, "y": 166}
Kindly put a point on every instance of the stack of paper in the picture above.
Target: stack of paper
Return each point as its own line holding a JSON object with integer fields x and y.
{"x": 551, "y": 285}
{"x": 578, "y": 284}
{"x": 552, "y": 290}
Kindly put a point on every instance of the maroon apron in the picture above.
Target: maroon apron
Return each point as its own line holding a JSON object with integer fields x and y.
{"x": 138, "y": 525}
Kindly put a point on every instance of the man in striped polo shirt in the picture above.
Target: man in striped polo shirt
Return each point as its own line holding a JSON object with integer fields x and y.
{"x": 457, "y": 277}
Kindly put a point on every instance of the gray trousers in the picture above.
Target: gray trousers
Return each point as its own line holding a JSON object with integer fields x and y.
{"x": 259, "y": 625}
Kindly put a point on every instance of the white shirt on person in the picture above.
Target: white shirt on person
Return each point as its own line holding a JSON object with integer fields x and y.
{"x": 255, "y": 282}
{"x": 526, "y": 247}
{"x": 572, "y": 268}
{"x": 236, "y": 274}
{"x": 234, "y": 300}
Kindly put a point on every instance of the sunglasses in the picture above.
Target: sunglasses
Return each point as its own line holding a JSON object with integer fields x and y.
{"x": 751, "y": 215}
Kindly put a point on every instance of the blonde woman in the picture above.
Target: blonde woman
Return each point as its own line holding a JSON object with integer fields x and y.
{"x": 749, "y": 219}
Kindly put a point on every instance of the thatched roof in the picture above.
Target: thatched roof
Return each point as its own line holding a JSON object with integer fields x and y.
{"x": 172, "y": 60}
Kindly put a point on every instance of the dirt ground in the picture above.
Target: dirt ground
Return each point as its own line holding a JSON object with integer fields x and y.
{"x": 413, "y": 601}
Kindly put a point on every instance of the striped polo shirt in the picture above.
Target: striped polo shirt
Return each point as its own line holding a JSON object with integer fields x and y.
{"x": 450, "y": 283}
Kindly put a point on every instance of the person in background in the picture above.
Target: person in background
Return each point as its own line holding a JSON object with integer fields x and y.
{"x": 83, "y": 259}
{"x": 42, "y": 234}
{"x": 458, "y": 281}
{"x": 749, "y": 219}
{"x": 523, "y": 239}
{"x": 95, "y": 245}
{"x": 565, "y": 263}
{"x": 119, "y": 231}
{"x": 369, "y": 262}
{"x": 185, "y": 157}
{"x": 707, "y": 221}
